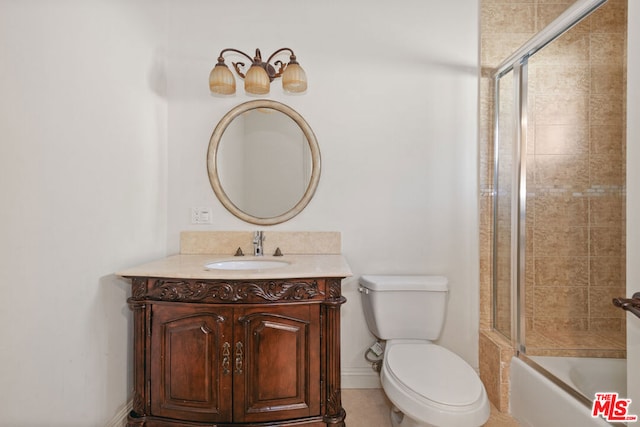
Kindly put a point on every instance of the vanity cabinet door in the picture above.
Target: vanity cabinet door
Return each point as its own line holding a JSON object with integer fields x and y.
{"x": 191, "y": 362}
{"x": 277, "y": 362}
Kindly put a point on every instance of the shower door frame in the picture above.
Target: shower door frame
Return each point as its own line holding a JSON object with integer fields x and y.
{"x": 518, "y": 197}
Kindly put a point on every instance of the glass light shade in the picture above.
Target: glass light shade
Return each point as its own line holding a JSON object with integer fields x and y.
{"x": 257, "y": 81}
{"x": 221, "y": 80}
{"x": 294, "y": 79}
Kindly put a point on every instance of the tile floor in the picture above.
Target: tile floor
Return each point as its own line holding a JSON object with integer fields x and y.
{"x": 370, "y": 408}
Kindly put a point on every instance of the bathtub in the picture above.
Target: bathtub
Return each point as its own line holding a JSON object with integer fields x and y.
{"x": 536, "y": 401}
{"x": 588, "y": 375}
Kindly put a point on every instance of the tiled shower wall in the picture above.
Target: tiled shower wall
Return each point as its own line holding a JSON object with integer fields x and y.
{"x": 575, "y": 219}
{"x": 576, "y": 190}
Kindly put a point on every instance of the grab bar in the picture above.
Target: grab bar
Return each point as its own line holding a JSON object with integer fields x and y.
{"x": 629, "y": 304}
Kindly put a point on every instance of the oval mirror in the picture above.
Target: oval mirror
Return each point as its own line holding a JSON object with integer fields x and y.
{"x": 263, "y": 162}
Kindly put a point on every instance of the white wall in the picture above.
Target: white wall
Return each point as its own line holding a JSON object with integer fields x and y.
{"x": 83, "y": 173}
{"x": 392, "y": 99}
{"x": 93, "y": 151}
{"x": 633, "y": 202}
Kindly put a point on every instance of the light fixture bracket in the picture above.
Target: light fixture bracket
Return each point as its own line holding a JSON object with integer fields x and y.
{"x": 257, "y": 60}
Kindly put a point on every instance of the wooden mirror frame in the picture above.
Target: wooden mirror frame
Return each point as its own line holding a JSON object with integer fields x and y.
{"x": 212, "y": 157}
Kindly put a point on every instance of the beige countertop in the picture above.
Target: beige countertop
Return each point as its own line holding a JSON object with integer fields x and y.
{"x": 193, "y": 267}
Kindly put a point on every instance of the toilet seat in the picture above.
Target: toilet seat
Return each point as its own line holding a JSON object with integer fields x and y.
{"x": 433, "y": 385}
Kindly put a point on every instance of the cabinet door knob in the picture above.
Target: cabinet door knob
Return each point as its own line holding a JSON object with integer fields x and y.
{"x": 226, "y": 357}
{"x": 239, "y": 356}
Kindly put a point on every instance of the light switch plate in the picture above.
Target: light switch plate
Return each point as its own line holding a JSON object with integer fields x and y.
{"x": 201, "y": 215}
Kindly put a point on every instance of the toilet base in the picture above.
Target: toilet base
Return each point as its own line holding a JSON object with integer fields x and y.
{"x": 398, "y": 419}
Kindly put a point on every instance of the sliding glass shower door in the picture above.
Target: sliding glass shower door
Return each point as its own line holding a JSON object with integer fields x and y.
{"x": 576, "y": 195}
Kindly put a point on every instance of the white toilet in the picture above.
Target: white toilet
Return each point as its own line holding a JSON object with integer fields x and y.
{"x": 428, "y": 384}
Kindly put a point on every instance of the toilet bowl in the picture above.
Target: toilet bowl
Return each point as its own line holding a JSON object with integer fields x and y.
{"x": 428, "y": 384}
{"x": 431, "y": 386}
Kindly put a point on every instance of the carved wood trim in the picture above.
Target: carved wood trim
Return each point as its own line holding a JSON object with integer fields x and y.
{"x": 138, "y": 403}
{"x": 138, "y": 288}
{"x": 209, "y": 291}
{"x": 334, "y": 290}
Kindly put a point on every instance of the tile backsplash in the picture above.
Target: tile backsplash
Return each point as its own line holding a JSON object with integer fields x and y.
{"x": 289, "y": 242}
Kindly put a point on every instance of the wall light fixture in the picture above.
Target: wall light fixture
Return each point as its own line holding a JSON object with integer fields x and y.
{"x": 258, "y": 78}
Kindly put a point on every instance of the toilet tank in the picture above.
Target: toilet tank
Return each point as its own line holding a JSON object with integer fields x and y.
{"x": 404, "y": 307}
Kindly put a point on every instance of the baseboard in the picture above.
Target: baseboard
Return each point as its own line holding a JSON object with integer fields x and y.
{"x": 360, "y": 378}
{"x": 120, "y": 418}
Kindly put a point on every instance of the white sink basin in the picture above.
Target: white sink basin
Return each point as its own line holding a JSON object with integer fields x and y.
{"x": 245, "y": 264}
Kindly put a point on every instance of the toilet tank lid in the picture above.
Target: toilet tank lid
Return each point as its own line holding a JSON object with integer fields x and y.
{"x": 383, "y": 283}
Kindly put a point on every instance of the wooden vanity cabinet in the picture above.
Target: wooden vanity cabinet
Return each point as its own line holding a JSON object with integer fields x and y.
{"x": 224, "y": 353}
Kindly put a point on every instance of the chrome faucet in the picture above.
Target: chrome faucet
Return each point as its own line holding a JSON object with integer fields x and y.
{"x": 258, "y": 239}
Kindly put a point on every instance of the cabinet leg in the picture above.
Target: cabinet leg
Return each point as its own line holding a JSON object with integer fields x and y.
{"x": 335, "y": 413}
{"x": 134, "y": 421}
{"x": 337, "y": 420}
